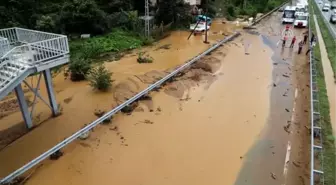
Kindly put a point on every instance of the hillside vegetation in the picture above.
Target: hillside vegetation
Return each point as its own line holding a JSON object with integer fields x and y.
{"x": 99, "y": 16}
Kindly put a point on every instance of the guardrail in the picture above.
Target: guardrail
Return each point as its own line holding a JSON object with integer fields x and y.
{"x": 267, "y": 14}
{"x": 316, "y": 135}
{"x": 86, "y": 129}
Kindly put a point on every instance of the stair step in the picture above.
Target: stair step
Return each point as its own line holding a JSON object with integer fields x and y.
{"x": 8, "y": 73}
{"x": 12, "y": 68}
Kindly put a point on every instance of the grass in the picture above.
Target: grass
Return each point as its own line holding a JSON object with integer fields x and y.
{"x": 327, "y": 37}
{"x": 116, "y": 41}
{"x": 327, "y": 135}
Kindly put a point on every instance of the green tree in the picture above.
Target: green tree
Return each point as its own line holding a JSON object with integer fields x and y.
{"x": 176, "y": 11}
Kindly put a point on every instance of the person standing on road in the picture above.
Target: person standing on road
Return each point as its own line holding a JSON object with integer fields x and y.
{"x": 301, "y": 43}
{"x": 284, "y": 41}
{"x": 305, "y": 38}
{"x": 312, "y": 39}
{"x": 293, "y": 42}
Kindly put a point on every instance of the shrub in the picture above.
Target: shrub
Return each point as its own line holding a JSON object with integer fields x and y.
{"x": 148, "y": 41}
{"x": 79, "y": 68}
{"x": 100, "y": 78}
{"x": 144, "y": 59}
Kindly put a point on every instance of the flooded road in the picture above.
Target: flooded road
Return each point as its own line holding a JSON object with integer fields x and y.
{"x": 216, "y": 124}
{"x": 172, "y": 145}
{"x": 328, "y": 77}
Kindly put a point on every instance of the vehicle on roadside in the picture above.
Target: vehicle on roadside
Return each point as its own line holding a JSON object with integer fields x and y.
{"x": 199, "y": 28}
{"x": 288, "y": 15}
{"x": 333, "y": 5}
{"x": 320, "y": 2}
{"x": 326, "y": 7}
{"x": 300, "y": 8}
{"x": 333, "y": 19}
{"x": 301, "y": 20}
{"x": 203, "y": 18}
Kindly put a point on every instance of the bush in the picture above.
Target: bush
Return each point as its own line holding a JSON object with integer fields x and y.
{"x": 148, "y": 41}
{"x": 100, "y": 78}
{"x": 79, "y": 68}
{"x": 144, "y": 59}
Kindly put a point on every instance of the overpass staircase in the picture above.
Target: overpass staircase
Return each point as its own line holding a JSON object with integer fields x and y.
{"x": 25, "y": 52}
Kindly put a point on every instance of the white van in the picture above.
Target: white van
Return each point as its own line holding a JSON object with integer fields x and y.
{"x": 301, "y": 20}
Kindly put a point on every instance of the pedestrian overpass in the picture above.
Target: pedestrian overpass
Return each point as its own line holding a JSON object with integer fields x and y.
{"x": 25, "y": 52}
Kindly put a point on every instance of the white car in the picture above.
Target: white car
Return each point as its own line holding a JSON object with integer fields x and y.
{"x": 199, "y": 28}
{"x": 326, "y": 7}
{"x": 320, "y": 2}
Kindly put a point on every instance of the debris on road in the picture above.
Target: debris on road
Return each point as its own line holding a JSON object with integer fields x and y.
{"x": 273, "y": 176}
{"x": 286, "y": 128}
{"x": 56, "y": 155}
{"x": 297, "y": 164}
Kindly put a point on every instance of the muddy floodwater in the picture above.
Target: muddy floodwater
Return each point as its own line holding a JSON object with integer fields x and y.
{"x": 195, "y": 130}
{"x": 200, "y": 138}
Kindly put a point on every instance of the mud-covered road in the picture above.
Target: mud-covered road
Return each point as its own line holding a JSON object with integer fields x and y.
{"x": 233, "y": 118}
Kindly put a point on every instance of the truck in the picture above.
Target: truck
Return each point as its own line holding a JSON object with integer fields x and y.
{"x": 289, "y": 15}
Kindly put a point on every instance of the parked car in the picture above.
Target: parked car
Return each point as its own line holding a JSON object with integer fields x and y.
{"x": 333, "y": 5}
{"x": 333, "y": 19}
{"x": 326, "y": 7}
{"x": 320, "y": 2}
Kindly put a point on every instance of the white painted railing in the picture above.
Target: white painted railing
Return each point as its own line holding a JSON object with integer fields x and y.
{"x": 22, "y": 48}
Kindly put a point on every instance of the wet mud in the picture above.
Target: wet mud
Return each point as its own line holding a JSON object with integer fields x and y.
{"x": 171, "y": 144}
{"x": 215, "y": 123}
{"x": 285, "y": 134}
{"x": 78, "y": 101}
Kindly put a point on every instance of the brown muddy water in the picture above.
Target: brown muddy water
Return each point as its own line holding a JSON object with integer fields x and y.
{"x": 195, "y": 130}
{"x": 328, "y": 77}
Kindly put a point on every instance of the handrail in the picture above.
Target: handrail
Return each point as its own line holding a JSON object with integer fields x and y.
{"x": 90, "y": 126}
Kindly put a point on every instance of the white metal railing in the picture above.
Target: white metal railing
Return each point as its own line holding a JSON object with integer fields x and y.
{"x": 316, "y": 148}
{"x": 40, "y": 46}
{"x": 10, "y": 34}
{"x": 22, "y": 48}
{"x": 4, "y": 46}
{"x": 31, "y": 36}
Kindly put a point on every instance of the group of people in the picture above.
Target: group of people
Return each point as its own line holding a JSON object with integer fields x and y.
{"x": 301, "y": 43}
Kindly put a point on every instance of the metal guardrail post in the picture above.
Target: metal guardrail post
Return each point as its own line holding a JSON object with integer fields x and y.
{"x": 314, "y": 111}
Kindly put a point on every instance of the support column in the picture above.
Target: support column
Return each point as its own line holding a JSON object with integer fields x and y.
{"x": 23, "y": 106}
{"x": 50, "y": 91}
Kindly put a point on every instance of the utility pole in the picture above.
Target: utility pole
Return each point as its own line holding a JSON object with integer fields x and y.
{"x": 206, "y": 22}
{"x": 147, "y": 18}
